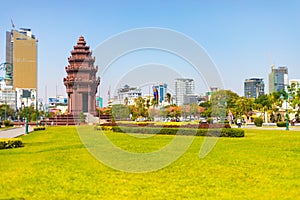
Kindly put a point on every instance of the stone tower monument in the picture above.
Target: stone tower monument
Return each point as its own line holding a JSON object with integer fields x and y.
{"x": 81, "y": 81}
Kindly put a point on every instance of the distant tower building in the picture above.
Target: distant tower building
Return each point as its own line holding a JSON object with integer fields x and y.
{"x": 162, "y": 91}
{"x": 21, "y": 55}
{"x": 254, "y": 87}
{"x": 183, "y": 87}
{"x": 81, "y": 82}
{"x": 278, "y": 79}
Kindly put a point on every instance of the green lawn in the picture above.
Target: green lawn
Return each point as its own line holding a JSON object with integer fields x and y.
{"x": 54, "y": 164}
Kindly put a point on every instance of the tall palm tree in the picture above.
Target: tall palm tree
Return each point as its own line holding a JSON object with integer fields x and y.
{"x": 126, "y": 101}
{"x": 140, "y": 104}
{"x": 263, "y": 102}
{"x": 168, "y": 97}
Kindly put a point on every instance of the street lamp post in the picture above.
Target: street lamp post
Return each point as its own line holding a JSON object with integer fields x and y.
{"x": 26, "y": 110}
{"x": 286, "y": 115}
{"x": 36, "y": 112}
{"x": 26, "y": 121}
{"x": 285, "y": 95}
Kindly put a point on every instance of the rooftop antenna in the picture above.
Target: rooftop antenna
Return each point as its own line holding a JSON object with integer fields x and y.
{"x": 271, "y": 61}
{"x": 12, "y": 24}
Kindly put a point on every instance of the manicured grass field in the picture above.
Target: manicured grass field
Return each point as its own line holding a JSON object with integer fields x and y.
{"x": 54, "y": 164}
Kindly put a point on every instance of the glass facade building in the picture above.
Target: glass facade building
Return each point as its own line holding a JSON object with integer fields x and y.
{"x": 254, "y": 87}
{"x": 162, "y": 91}
{"x": 278, "y": 79}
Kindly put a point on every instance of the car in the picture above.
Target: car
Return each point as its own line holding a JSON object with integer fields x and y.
{"x": 203, "y": 121}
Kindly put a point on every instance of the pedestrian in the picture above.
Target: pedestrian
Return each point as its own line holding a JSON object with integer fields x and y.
{"x": 238, "y": 122}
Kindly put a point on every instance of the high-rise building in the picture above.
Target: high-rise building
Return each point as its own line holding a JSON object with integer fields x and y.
{"x": 127, "y": 94}
{"x": 21, "y": 56}
{"x": 21, "y": 52}
{"x": 162, "y": 91}
{"x": 278, "y": 79}
{"x": 254, "y": 87}
{"x": 99, "y": 102}
{"x": 183, "y": 87}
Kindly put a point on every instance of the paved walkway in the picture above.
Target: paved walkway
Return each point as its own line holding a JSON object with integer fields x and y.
{"x": 292, "y": 128}
{"x": 14, "y": 132}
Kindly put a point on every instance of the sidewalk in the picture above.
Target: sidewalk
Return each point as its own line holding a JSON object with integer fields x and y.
{"x": 14, "y": 132}
{"x": 292, "y": 128}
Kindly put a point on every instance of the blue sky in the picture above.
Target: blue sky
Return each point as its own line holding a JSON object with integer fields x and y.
{"x": 242, "y": 38}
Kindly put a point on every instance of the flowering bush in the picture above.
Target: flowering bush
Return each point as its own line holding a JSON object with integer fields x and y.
{"x": 10, "y": 143}
{"x": 40, "y": 128}
{"x": 172, "y": 124}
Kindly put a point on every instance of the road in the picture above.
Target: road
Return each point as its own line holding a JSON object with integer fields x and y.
{"x": 14, "y": 132}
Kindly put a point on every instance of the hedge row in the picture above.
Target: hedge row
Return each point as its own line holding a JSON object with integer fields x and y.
{"x": 8, "y": 123}
{"x": 224, "y": 132}
{"x": 39, "y": 128}
{"x": 168, "y": 125}
{"x": 10, "y": 143}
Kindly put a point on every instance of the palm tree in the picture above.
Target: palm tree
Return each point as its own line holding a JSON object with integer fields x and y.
{"x": 168, "y": 97}
{"x": 140, "y": 105}
{"x": 276, "y": 102}
{"x": 263, "y": 103}
{"x": 126, "y": 101}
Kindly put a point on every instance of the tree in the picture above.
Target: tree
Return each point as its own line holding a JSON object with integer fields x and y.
{"x": 276, "y": 102}
{"x": 168, "y": 97}
{"x": 263, "y": 103}
{"x": 171, "y": 111}
{"x": 120, "y": 112}
{"x": 6, "y": 111}
{"x": 141, "y": 107}
{"x": 207, "y": 109}
{"x": 194, "y": 109}
{"x": 154, "y": 102}
{"x": 221, "y": 101}
{"x": 126, "y": 101}
{"x": 31, "y": 113}
{"x": 243, "y": 106}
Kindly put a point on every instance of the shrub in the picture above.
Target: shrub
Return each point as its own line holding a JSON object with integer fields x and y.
{"x": 172, "y": 124}
{"x": 214, "y": 126}
{"x": 226, "y": 121}
{"x": 142, "y": 124}
{"x": 109, "y": 124}
{"x": 209, "y": 120}
{"x": 104, "y": 128}
{"x": 258, "y": 121}
{"x": 8, "y": 123}
{"x": 39, "y": 128}
{"x": 281, "y": 124}
{"x": 10, "y": 143}
{"x": 81, "y": 117}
